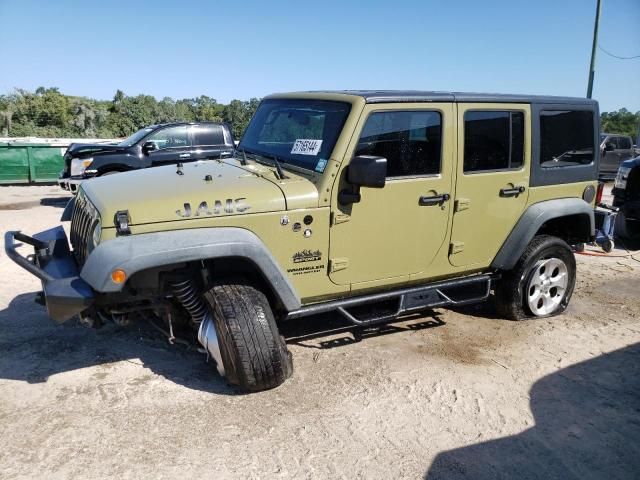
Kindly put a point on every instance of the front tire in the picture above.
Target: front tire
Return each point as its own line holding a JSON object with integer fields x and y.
{"x": 254, "y": 355}
{"x": 541, "y": 283}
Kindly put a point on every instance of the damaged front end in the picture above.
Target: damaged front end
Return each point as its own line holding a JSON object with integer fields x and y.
{"x": 52, "y": 262}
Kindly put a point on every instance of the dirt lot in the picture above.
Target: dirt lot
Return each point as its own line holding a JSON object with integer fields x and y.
{"x": 452, "y": 394}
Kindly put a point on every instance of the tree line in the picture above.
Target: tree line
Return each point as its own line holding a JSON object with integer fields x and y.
{"x": 49, "y": 113}
{"x": 623, "y": 122}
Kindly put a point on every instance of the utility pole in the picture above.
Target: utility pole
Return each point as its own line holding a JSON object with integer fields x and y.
{"x": 593, "y": 50}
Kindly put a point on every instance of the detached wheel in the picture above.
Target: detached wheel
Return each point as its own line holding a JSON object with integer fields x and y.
{"x": 253, "y": 353}
{"x": 541, "y": 283}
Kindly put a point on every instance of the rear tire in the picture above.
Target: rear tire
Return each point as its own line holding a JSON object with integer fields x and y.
{"x": 541, "y": 283}
{"x": 626, "y": 229}
{"x": 254, "y": 354}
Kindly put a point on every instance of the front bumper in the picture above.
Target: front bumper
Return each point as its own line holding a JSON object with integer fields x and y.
{"x": 65, "y": 293}
{"x": 70, "y": 184}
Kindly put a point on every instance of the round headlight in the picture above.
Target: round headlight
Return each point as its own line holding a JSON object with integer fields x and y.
{"x": 95, "y": 237}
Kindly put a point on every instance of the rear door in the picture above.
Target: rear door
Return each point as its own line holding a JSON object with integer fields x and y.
{"x": 172, "y": 145}
{"x": 208, "y": 142}
{"x": 625, "y": 149}
{"x": 492, "y": 179}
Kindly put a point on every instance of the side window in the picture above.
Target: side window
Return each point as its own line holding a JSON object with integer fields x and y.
{"x": 615, "y": 141}
{"x": 566, "y": 138}
{"x": 207, "y": 135}
{"x": 493, "y": 140}
{"x": 624, "y": 143}
{"x": 172, "y": 137}
{"x": 411, "y": 141}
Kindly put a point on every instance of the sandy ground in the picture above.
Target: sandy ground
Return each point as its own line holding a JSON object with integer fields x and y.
{"x": 451, "y": 394}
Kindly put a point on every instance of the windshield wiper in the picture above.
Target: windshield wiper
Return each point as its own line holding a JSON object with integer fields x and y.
{"x": 243, "y": 160}
{"x": 276, "y": 162}
{"x": 281, "y": 174}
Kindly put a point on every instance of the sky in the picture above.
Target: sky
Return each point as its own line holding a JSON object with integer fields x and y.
{"x": 243, "y": 49}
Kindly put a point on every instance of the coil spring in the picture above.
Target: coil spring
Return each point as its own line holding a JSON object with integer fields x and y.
{"x": 185, "y": 292}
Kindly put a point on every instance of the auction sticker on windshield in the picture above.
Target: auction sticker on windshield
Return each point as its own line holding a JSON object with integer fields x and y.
{"x": 303, "y": 146}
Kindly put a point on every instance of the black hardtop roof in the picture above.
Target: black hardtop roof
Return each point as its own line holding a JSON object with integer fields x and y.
{"x": 398, "y": 96}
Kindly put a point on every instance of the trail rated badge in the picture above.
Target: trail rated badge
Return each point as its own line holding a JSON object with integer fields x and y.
{"x": 307, "y": 256}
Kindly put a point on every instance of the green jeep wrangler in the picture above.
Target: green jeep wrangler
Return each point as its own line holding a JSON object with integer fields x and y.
{"x": 371, "y": 204}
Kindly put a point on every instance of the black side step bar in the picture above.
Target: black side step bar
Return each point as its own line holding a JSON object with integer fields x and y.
{"x": 460, "y": 291}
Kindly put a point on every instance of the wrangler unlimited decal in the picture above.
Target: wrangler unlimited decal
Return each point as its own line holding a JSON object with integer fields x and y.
{"x": 305, "y": 270}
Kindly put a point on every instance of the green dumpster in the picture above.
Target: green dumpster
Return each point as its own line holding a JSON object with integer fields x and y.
{"x": 14, "y": 164}
{"x": 30, "y": 162}
{"x": 45, "y": 162}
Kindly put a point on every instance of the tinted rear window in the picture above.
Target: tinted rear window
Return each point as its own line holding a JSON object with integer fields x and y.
{"x": 208, "y": 135}
{"x": 493, "y": 140}
{"x": 566, "y": 138}
{"x": 624, "y": 143}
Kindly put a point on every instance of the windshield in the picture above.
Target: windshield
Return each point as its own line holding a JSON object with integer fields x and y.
{"x": 297, "y": 132}
{"x": 133, "y": 139}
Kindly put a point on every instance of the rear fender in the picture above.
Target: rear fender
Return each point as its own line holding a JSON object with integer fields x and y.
{"x": 535, "y": 218}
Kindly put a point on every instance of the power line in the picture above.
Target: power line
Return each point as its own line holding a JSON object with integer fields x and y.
{"x": 617, "y": 56}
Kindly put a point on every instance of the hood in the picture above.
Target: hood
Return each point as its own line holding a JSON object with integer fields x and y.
{"x": 88, "y": 149}
{"x": 204, "y": 189}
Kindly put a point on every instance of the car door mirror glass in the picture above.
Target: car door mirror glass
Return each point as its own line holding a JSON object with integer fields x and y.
{"x": 149, "y": 147}
{"x": 367, "y": 171}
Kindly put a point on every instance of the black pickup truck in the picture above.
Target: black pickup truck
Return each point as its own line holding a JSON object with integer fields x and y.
{"x": 148, "y": 147}
{"x": 626, "y": 196}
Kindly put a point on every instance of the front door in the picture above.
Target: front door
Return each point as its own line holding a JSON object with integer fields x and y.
{"x": 492, "y": 179}
{"x": 172, "y": 146}
{"x": 397, "y": 230}
{"x": 610, "y": 159}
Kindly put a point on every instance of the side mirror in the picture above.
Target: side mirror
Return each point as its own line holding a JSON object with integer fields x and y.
{"x": 148, "y": 147}
{"x": 363, "y": 171}
{"x": 367, "y": 171}
{"x": 609, "y": 147}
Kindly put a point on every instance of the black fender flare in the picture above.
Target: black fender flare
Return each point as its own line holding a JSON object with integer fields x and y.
{"x": 68, "y": 210}
{"x": 135, "y": 253}
{"x": 530, "y": 222}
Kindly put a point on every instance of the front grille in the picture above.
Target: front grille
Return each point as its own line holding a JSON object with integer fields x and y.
{"x": 83, "y": 221}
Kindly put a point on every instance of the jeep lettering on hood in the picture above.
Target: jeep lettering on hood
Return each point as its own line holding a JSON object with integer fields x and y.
{"x": 230, "y": 205}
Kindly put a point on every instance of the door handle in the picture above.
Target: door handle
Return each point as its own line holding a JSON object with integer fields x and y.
{"x": 184, "y": 155}
{"x": 512, "y": 192}
{"x": 426, "y": 201}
